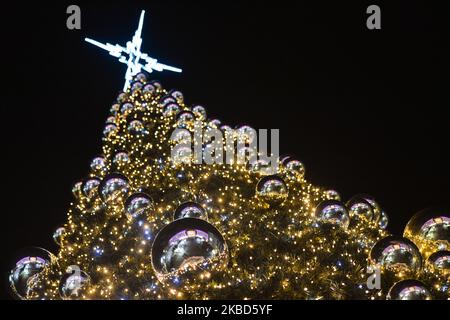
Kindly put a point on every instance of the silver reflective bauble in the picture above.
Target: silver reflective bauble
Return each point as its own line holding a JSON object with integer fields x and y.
{"x": 332, "y": 195}
{"x": 396, "y": 255}
{"x": 114, "y": 109}
{"x": 185, "y": 119}
{"x": 136, "y": 86}
{"x": 272, "y": 190}
{"x": 136, "y": 127}
{"x": 360, "y": 210}
{"x": 167, "y": 100}
{"x": 142, "y": 77}
{"x": 171, "y": 109}
{"x": 186, "y": 244}
{"x": 177, "y": 95}
{"x": 137, "y": 205}
{"x": 111, "y": 119}
{"x": 294, "y": 169}
{"x": 377, "y": 210}
{"x": 109, "y": 130}
{"x": 26, "y": 268}
{"x": 113, "y": 187}
{"x": 200, "y": 112}
{"x": 440, "y": 262}
{"x": 430, "y": 230}
{"x": 409, "y": 290}
{"x": 122, "y": 97}
{"x": 332, "y": 212}
{"x": 74, "y": 283}
{"x": 58, "y": 235}
{"x": 98, "y": 165}
{"x": 190, "y": 210}
{"x": 148, "y": 89}
{"x": 364, "y": 207}
{"x": 126, "y": 107}
{"x": 90, "y": 187}
{"x": 121, "y": 158}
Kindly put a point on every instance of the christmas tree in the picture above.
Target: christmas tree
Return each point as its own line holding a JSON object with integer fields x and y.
{"x": 154, "y": 219}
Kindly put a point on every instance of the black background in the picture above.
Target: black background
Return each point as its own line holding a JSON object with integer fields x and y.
{"x": 366, "y": 111}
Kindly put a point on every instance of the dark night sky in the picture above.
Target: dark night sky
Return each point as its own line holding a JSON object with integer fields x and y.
{"x": 364, "y": 110}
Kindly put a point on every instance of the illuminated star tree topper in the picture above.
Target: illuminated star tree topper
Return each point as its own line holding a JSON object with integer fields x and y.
{"x": 132, "y": 55}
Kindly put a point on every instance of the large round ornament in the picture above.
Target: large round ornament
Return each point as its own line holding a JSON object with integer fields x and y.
{"x": 122, "y": 97}
{"x": 74, "y": 283}
{"x": 178, "y": 95}
{"x": 114, "y": 109}
{"x": 364, "y": 208}
{"x": 98, "y": 165}
{"x": 186, "y": 244}
{"x": 136, "y": 86}
{"x": 272, "y": 190}
{"x": 409, "y": 290}
{"x": 430, "y": 230}
{"x": 137, "y": 205}
{"x": 332, "y": 195}
{"x": 149, "y": 89}
{"x": 360, "y": 210}
{"x": 171, "y": 109}
{"x": 126, "y": 107}
{"x": 396, "y": 255}
{"x": 34, "y": 262}
{"x": 111, "y": 119}
{"x": 440, "y": 262}
{"x": 109, "y": 130}
{"x": 332, "y": 212}
{"x": 136, "y": 128}
{"x": 190, "y": 210}
{"x": 58, "y": 235}
{"x": 185, "y": 119}
{"x": 90, "y": 187}
{"x": 167, "y": 100}
{"x": 121, "y": 159}
{"x": 142, "y": 77}
{"x": 294, "y": 169}
{"x": 113, "y": 187}
{"x": 200, "y": 112}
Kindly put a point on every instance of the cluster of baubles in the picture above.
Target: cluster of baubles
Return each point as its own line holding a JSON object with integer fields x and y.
{"x": 422, "y": 251}
{"x": 181, "y": 241}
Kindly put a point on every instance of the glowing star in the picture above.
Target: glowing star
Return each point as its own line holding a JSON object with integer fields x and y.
{"x": 131, "y": 55}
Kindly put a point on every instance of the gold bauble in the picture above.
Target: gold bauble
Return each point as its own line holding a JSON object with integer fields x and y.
{"x": 409, "y": 290}
{"x": 430, "y": 231}
{"x": 397, "y": 256}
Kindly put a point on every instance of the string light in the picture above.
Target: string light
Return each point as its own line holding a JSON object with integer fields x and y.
{"x": 277, "y": 245}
